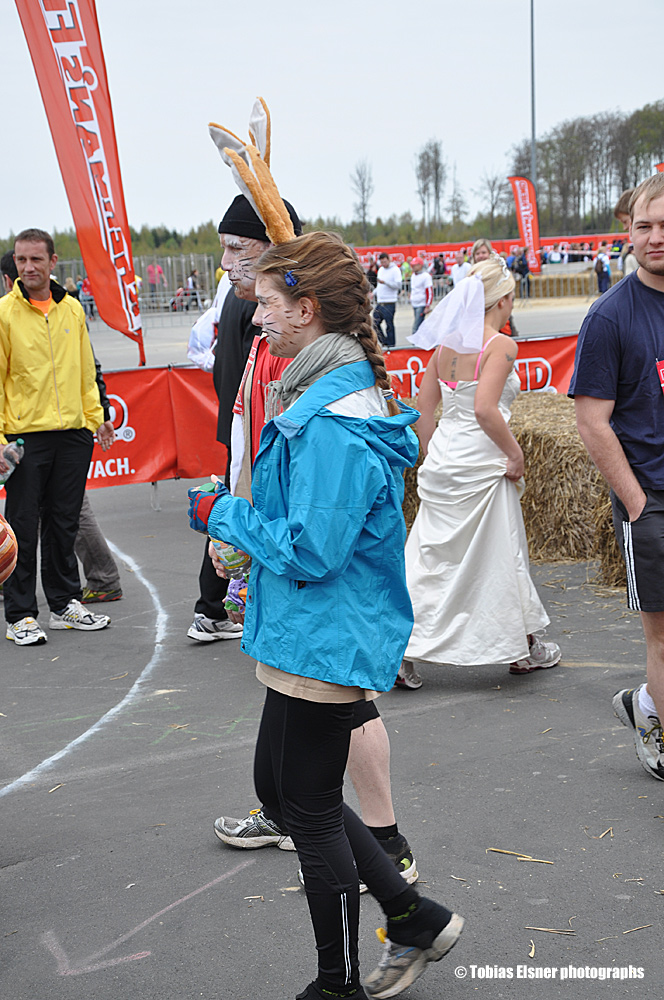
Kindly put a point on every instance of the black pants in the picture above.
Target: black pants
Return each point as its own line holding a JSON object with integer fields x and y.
{"x": 301, "y": 757}
{"x": 384, "y": 312}
{"x": 212, "y": 590}
{"x": 49, "y": 481}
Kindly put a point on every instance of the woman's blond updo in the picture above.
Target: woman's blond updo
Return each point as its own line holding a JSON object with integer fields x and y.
{"x": 321, "y": 267}
{"x": 496, "y": 278}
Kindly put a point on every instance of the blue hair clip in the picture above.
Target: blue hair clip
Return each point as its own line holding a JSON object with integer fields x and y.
{"x": 290, "y": 279}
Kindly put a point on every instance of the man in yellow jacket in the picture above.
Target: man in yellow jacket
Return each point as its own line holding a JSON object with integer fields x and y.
{"x": 49, "y": 398}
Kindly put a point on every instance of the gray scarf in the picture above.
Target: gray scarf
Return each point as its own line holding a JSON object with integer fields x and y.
{"x": 330, "y": 351}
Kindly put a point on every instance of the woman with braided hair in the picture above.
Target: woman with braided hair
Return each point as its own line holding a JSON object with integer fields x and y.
{"x": 328, "y": 613}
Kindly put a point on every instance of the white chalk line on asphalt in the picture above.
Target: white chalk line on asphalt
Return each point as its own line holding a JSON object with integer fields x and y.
{"x": 134, "y": 691}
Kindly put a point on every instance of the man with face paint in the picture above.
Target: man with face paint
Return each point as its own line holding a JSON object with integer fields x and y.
{"x": 243, "y": 237}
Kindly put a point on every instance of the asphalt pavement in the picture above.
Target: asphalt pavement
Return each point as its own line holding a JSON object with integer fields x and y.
{"x": 119, "y": 749}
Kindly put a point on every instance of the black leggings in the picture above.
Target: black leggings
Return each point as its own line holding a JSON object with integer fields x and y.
{"x": 301, "y": 757}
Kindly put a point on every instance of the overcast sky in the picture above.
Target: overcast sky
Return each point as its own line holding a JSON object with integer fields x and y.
{"x": 345, "y": 81}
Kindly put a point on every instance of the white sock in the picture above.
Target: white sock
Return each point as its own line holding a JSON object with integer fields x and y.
{"x": 646, "y": 704}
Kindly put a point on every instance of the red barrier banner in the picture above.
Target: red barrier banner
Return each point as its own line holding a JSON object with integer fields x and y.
{"x": 544, "y": 364}
{"x": 525, "y": 200}
{"x": 165, "y": 424}
{"x": 195, "y": 410}
{"x": 65, "y": 46}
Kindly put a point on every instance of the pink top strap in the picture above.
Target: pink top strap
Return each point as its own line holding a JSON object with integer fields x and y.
{"x": 479, "y": 356}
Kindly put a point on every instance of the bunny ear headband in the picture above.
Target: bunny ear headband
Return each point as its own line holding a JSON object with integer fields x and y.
{"x": 250, "y": 166}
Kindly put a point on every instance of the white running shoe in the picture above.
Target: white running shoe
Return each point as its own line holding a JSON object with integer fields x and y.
{"x": 541, "y": 656}
{"x": 206, "y": 630}
{"x": 26, "y": 633}
{"x": 78, "y": 617}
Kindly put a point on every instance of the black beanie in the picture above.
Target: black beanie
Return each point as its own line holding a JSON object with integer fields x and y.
{"x": 241, "y": 220}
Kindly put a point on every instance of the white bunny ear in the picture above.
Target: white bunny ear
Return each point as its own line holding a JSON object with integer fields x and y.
{"x": 242, "y": 151}
{"x": 260, "y": 129}
{"x": 223, "y": 138}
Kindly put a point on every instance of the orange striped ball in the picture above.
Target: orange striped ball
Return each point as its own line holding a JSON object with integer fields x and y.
{"x": 8, "y": 550}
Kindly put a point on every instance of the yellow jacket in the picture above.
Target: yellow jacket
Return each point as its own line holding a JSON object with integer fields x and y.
{"x": 47, "y": 369}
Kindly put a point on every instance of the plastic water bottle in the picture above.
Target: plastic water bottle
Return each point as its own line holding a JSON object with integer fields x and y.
{"x": 12, "y": 453}
{"x": 234, "y": 560}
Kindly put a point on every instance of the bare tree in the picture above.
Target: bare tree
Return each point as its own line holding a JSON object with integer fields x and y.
{"x": 456, "y": 206}
{"x": 423, "y": 178}
{"x": 361, "y": 181}
{"x": 430, "y": 175}
{"x": 492, "y": 190}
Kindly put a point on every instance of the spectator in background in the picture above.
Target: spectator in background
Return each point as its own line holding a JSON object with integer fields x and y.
{"x": 156, "y": 279}
{"x": 460, "y": 269}
{"x": 407, "y": 269}
{"x": 388, "y": 287}
{"x": 603, "y": 268}
{"x": 439, "y": 266}
{"x": 523, "y": 270}
{"x": 481, "y": 250}
{"x": 71, "y": 287}
{"x": 87, "y": 301}
{"x": 421, "y": 292}
{"x": 555, "y": 257}
{"x": 372, "y": 271}
{"x": 630, "y": 262}
{"x": 192, "y": 290}
{"x": 621, "y": 211}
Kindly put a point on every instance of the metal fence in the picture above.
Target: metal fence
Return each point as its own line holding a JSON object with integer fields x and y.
{"x": 169, "y": 297}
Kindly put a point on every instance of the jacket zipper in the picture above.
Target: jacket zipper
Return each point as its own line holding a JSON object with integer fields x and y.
{"x": 55, "y": 384}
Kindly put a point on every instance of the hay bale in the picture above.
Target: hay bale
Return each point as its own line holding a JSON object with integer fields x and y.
{"x": 612, "y": 571}
{"x": 562, "y": 484}
{"x": 566, "y": 507}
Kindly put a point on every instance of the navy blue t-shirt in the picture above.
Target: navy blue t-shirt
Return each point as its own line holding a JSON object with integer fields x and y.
{"x": 619, "y": 342}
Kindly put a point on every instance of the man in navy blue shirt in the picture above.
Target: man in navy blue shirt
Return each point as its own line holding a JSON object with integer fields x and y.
{"x": 618, "y": 387}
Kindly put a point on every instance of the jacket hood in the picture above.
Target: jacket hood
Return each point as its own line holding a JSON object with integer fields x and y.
{"x": 390, "y": 436}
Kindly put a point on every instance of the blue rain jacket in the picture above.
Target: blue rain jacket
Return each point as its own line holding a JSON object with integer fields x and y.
{"x": 327, "y": 590}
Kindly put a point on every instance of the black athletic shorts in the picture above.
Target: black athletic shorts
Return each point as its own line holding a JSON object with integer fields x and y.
{"x": 364, "y": 711}
{"x": 642, "y": 545}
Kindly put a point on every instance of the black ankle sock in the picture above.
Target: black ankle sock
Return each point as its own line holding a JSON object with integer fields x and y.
{"x": 337, "y": 992}
{"x": 385, "y": 832}
{"x": 419, "y": 924}
{"x": 401, "y": 905}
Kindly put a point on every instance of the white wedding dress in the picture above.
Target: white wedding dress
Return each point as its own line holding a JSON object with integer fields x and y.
{"x": 466, "y": 556}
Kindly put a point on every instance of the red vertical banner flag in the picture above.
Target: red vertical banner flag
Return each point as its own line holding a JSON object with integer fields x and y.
{"x": 65, "y": 46}
{"x": 526, "y": 214}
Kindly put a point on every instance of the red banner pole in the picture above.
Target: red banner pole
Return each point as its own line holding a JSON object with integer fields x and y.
{"x": 65, "y": 47}
{"x": 527, "y": 218}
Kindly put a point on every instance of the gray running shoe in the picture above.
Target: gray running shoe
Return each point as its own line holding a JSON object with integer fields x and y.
{"x": 646, "y": 731}
{"x": 206, "y": 630}
{"x": 76, "y": 616}
{"x": 254, "y": 831}
{"x": 400, "y": 965}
